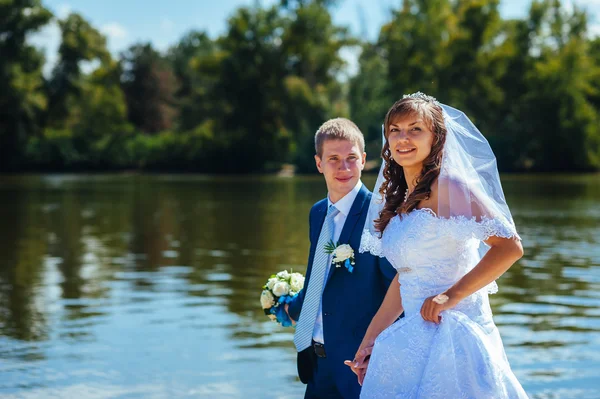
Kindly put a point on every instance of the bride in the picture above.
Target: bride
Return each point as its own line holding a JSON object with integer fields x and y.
{"x": 441, "y": 219}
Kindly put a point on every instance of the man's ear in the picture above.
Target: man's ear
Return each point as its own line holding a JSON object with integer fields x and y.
{"x": 364, "y": 159}
{"x": 318, "y": 163}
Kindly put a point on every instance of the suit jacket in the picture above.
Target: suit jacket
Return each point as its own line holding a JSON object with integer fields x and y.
{"x": 350, "y": 300}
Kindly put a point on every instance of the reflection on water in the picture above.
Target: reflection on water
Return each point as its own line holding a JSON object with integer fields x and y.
{"x": 147, "y": 286}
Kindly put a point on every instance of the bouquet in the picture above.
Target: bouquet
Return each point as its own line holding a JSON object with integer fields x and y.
{"x": 280, "y": 288}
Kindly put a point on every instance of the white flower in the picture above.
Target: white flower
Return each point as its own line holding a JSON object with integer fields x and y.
{"x": 279, "y": 285}
{"x": 272, "y": 282}
{"x": 284, "y": 275}
{"x": 281, "y": 288}
{"x": 266, "y": 299}
{"x": 342, "y": 253}
{"x": 296, "y": 281}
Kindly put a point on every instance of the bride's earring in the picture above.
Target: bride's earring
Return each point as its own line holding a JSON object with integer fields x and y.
{"x": 390, "y": 157}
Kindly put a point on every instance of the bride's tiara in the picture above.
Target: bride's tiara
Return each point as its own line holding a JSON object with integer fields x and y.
{"x": 421, "y": 96}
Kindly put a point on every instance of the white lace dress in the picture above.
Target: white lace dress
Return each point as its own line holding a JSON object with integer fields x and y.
{"x": 463, "y": 356}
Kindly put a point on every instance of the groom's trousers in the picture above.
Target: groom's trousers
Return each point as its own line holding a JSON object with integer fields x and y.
{"x": 323, "y": 383}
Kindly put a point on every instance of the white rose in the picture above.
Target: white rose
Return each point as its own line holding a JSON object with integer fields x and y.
{"x": 284, "y": 275}
{"x": 343, "y": 252}
{"x": 266, "y": 299}
{"x": 281, "y": 288}
{"x": 271, "y": 282}
{"x": 297, "y": 281}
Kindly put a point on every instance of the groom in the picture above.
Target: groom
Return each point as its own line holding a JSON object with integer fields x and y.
{"x": 337, "y": 304}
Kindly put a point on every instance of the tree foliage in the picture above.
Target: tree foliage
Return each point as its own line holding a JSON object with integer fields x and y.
{"x": 251, "y": 99}
{"x": 22, "y": 97}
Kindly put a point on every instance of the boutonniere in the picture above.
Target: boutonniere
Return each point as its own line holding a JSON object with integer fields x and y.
{"x": 342, "y": 255}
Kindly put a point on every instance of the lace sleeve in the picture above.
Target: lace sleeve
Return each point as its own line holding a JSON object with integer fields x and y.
{"x": 492, "y": 288}
{"x": 487, "y": 228}
{"x": 370, "y": 243}
{"x": 493, "y": 228}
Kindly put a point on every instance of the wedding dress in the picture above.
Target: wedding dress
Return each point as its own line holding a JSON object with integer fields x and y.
{"x": 463, "y": 355}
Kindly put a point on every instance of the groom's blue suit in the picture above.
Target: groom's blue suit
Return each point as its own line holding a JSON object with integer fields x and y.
{"x": 350, "y": 300}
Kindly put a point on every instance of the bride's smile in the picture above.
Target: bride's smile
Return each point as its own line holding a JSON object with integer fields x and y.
{"x": 411, "y": 140}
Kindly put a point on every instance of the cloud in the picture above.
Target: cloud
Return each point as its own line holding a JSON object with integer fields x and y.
{"x": 593, "y": 6}
{"x": 63, "y": 10}
{"x": 114, "y": 30}
{"x": 48, "y": 40}
{"x": 167, "y": 37}
{"x": 117, "y": 37}
{"x": 569, "y": 5}
{"x": 49, "y": 37}
{"x": 350, "y": 55}
{"x": 166, "y": 25}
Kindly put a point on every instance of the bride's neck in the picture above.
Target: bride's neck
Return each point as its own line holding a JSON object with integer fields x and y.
{"x": 411, "y": 174}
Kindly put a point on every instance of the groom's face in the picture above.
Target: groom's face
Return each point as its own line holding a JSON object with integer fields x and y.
{"x": 341, "y": 164}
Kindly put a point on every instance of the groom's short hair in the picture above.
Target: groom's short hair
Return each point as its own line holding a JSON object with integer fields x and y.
{"x": 339, "y": 129}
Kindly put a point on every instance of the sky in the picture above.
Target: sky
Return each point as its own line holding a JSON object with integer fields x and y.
{"x": 163, "y": 23}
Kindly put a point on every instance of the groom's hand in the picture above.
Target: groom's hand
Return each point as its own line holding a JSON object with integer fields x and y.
{"x": 285, "y": 307}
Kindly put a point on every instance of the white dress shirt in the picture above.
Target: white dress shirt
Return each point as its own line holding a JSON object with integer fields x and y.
{"x": 343, "y": 206}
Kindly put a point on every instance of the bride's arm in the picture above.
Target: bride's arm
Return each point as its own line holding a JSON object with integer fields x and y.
{"x": 389, "y": 311}
{"x": 504, "y": 252}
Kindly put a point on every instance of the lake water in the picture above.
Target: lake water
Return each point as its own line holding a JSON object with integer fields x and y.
{"x": 136, "y": 286}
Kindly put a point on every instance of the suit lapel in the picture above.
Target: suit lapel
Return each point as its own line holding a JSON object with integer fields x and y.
{"x": 351, "y": 220}
{"x": 319, "y": 218}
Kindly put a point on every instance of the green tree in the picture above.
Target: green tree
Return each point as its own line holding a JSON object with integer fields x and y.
{"x": 22, "y": 97}
{"x": 80, "y": 42}
{"x": 312, "y": 43}
{"x": 191, "y": 60}
{"x": 507, "y": 121}
{"x": 102, "y": 126}
{"x": 469, "y": 79}
{"x": 251, "y": 76}
{"x": 560, "y": 87}
{"x": 369, "y": 97}
{"x": 150, "y": 87}
{"x": 87, "y": 113}
{"x": 94, "y": 131}
{"x": 594, "y": 97}
{"x": 415, "y": 43}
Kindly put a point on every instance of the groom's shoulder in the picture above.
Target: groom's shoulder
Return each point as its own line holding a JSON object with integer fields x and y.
{"x": 364, "y": 195}
{"x": 318, "y": 206}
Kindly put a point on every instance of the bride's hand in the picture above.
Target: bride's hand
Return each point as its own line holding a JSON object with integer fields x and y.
{"x": 430, "y": 311}
{"x": 361, "y": 360}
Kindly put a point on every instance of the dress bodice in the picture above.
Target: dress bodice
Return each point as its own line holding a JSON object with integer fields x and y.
{"x": 462, "y": 356}
{"x": 431, "y": 253}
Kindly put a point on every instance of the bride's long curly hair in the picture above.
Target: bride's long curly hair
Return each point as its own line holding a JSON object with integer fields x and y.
{"x": 395, "y": 185}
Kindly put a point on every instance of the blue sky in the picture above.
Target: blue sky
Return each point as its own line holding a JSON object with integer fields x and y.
{"x": 163, "y": 23}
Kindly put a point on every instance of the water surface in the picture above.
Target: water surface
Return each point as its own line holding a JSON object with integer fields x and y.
{"x": 134, "y": 286}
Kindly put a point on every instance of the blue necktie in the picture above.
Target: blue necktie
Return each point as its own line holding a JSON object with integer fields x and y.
{"x": 312, "y": 299}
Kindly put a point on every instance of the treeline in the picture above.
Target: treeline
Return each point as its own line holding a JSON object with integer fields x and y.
{"x": 251, "y": 99}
